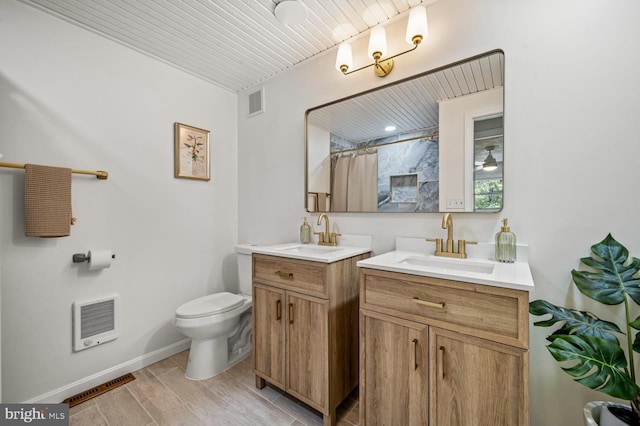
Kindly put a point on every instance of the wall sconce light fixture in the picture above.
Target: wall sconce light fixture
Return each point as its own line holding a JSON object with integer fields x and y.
{"x": 417, "y": 30}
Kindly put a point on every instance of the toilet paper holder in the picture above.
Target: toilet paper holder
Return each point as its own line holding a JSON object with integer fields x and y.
{"x": 81, "y": 257}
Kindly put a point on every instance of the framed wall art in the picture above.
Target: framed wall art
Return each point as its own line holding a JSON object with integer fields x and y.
{"x": 191, "y": 152}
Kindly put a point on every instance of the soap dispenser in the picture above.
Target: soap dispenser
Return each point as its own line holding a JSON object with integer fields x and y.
{"x": 305, "y": 232}
{"x": 505, "y": 244}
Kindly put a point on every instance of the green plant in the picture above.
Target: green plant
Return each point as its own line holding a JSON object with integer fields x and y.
{"x": 588, "y": 347}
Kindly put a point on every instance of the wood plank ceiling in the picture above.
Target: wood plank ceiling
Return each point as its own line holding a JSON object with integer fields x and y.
{"x": 234, "y": 44}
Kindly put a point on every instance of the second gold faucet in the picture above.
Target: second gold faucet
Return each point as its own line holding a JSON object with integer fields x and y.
{"x": 448, "y": 249}
{"x": 326, "y": 238}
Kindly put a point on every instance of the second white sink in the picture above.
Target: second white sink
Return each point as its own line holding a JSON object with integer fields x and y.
{"x": 414, "y": 256}
{"x": 463, "y": 265}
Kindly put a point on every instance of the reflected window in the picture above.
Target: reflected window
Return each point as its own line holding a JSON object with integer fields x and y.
{"x": 488, "y": 153}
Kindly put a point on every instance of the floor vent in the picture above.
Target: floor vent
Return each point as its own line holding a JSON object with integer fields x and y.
{"x": 98, "y": 390}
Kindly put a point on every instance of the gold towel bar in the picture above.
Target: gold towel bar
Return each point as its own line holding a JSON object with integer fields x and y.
{"x": 100, "y": 174}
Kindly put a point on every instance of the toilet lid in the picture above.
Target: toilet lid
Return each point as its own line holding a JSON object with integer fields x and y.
{"x": 212, "y": 304}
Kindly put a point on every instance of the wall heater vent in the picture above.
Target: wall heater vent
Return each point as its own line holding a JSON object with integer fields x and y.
{"x": 95, "y": 322}
{"x": 256, "y": 102}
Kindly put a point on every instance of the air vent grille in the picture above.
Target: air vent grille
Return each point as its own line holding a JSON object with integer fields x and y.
{"x": 256, "y": 102}
{"x": 97, "y": 318}
{"x": 98, "y": 390}
{"x": 95, "y": 322}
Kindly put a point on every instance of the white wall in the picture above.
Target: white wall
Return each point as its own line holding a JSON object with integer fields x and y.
{"x": 571, "y": 135}
{"x": 71, "y": 98}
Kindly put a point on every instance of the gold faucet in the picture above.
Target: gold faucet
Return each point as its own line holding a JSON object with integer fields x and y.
{"x": 325, "y": 238}
{"x": 448, "y": 251}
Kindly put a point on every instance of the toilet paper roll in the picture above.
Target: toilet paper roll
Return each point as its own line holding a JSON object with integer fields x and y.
{"x": 99, "y": 259}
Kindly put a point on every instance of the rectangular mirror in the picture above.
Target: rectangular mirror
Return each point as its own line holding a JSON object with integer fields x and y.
{"x": 430, "y": 143}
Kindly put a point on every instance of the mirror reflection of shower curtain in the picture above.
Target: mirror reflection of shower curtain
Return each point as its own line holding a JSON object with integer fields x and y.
{"x": 355, "y": 182}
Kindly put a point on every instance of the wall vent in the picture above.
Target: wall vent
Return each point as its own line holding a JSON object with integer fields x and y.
{"x": 95, "y": 322}
{"x": 256, "y": 102}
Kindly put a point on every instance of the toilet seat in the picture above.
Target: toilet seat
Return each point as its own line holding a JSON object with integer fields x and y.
{"x": 212, "y": 304}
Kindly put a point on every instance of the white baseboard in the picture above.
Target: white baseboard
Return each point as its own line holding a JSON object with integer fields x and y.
{"x": 60, "y": 394}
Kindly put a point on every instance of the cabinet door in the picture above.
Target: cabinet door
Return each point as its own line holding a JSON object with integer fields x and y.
{"x": 476, "y": 382}
{"x": 394, "y": 375}
{"x": 269, "y": 332}
{"x": 307, "y": 349}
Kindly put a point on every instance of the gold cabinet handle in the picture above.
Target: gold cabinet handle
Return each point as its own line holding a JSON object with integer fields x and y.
{"x": 414, "y": 343}
{"x": 429, "y": 304}
{"x": 290, "y": 313}
{"x": 278, "y": 310}
{"x": 441, "y": 361}
{"x": 285, "y": 275}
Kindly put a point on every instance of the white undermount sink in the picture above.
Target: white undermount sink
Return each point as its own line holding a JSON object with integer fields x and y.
{"x": 310, "y": 249}
{"x": 462, "y": 265}
{"x": 415, "y": 257}
{"x": 348, "y": 246}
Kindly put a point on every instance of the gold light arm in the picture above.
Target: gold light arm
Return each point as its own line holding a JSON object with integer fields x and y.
{"x": 383, "y": 64}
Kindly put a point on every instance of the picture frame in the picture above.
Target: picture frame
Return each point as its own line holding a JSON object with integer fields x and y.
{"x": 191, "y": 152}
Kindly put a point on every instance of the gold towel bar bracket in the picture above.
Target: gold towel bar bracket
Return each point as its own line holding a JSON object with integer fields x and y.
{"x": 100, "y": 174}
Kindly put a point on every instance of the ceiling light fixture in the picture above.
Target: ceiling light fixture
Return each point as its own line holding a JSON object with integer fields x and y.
{"x": 417, "y": 30}
{"x": 490, "y": 163}
{"x": 291, "y": 12}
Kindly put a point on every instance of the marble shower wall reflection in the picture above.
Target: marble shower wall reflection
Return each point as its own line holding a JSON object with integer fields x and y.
{"x": 408, "y": 171}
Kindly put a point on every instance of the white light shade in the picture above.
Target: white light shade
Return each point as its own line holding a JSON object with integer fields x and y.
{"x": 344, "y": 56}
{"x": 377, "y": 41}
{"x": 417, "y": 25}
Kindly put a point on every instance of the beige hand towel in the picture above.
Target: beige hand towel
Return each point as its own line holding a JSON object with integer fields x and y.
{"x": 47, "y": 201}
{"x": 322, "y": 202}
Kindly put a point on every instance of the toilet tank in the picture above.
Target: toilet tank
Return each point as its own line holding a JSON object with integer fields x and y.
{"x": 244, "y": 252}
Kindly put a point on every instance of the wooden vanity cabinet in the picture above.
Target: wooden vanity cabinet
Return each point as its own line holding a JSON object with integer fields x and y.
{"x": 394, "y": 388}
{"x": 305, "y": 329}
{"x": 460, "y": 351}
{"x": 476, "y": 381}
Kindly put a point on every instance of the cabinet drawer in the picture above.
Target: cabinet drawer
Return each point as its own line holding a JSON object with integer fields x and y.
{"x": 471, "y": 308}
{"x": 298, "y": 275}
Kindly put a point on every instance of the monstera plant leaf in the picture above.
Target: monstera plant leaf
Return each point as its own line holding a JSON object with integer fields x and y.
{"x": 635, "y": 324}
{"x": 575, "y": 322}
{"x": 596, "y": 363}
{"x": 585, "y": 345}
{"x": 613, "y": 278}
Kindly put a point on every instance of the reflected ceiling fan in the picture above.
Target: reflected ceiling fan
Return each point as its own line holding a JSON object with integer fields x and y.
{"x": 489, "y": 164}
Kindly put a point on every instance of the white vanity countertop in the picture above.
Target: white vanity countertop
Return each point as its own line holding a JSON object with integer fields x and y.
{"x": 348, "y": 246}
{"x": 416, "y": 258}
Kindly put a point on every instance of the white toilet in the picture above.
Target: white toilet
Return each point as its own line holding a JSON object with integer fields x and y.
{"x": 219, "y": 325}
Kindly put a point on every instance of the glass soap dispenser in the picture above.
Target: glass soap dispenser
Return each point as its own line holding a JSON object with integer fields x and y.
{"x": 505, "y": 244}
{"x": 305, "y": 232}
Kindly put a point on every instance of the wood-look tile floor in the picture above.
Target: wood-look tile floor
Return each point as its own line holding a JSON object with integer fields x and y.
{"x": 161, "y": 395}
